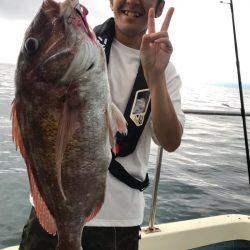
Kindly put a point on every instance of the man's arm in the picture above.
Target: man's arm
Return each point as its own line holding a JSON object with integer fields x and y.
{"x": 156, "y": 50}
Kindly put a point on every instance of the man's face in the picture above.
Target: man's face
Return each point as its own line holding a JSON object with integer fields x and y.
{"x": 131, "y": 15}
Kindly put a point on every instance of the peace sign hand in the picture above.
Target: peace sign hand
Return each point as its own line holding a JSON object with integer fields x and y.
{"x": 156, "y": 47}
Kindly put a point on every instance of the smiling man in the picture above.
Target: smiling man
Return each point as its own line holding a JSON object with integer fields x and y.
{"x": 131, "y": 19}
{"x": 139, "y": 69}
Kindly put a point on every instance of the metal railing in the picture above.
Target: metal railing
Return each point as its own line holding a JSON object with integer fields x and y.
{"x": 151, "y": 228}
{"x": 214, "y": 112}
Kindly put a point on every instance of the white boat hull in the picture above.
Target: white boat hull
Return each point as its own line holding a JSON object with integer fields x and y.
{"x": 190, "y": 234}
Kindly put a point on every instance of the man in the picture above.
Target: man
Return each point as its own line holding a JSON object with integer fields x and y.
{"x": 122, "y": 212}
{"x": 134, "y": 58}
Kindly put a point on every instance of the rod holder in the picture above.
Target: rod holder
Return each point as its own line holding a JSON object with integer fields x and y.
{"x": 151, "y": 228}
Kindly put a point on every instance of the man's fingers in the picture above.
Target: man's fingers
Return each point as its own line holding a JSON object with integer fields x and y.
{"x": 158, "y": 35}
{"x": 145, "y": 45}
{"x": 151, "y": 21}
{"x": 167, "y": 19}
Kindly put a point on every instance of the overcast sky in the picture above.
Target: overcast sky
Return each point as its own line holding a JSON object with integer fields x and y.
{"x": 200, "y": 31}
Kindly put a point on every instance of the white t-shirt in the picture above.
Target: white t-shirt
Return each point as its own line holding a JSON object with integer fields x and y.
{"x": 124, "y": 206}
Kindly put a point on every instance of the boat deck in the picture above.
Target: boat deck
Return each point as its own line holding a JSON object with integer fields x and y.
{"x": 224, "y": 232}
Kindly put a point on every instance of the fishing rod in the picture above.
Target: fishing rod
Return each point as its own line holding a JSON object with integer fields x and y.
{"x": 243, "y": 113}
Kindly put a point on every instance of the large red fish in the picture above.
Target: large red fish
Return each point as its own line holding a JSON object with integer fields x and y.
{"x": 61, "y": 119}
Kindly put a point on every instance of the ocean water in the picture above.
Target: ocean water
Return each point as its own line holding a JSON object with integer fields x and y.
{"x": 206, "y": 176}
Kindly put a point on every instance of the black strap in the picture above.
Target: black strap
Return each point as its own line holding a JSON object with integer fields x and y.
{"x": 105, "y": 34}
{"x": 126, "y": 144}
{"x": 117, "y": 170}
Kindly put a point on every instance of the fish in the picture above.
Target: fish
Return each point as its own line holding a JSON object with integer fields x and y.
{"x": 63, "y": 119}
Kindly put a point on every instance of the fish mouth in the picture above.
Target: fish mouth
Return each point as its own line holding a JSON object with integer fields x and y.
{"x": 132, "y": 13}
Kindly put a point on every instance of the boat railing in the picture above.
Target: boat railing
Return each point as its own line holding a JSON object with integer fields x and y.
{"x": 151, "y": 227}
{"x": 214, "y": 112}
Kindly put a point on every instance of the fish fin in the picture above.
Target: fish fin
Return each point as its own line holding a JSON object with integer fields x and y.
{"x": 110, "y": 130}
{"x": 119, "y": 120}
{"x": 94, "y": 212}
{"x": 68, "y": 124}
{"x": 43, "y": 214}
{"x": 16, "y": 133}
{"x": 116, "y": 122}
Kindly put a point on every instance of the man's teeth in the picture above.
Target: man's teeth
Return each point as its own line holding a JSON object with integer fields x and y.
{"x": 132, "y": 14}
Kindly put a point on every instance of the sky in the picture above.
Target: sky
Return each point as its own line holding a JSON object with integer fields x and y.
{"x": 200, "y": 31}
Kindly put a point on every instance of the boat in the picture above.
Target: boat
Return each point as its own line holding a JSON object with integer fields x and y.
{"x": 223, "y": 232}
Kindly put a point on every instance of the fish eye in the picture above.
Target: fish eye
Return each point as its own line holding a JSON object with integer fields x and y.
{"x": 31, "y": 45}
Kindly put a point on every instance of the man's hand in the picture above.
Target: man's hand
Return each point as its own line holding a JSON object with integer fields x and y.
{"x": 156, "y": 48}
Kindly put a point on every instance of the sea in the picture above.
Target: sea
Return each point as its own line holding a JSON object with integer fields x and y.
{"x": 206, "y": 176}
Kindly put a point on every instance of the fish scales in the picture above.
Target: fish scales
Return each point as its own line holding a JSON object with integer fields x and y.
{"x": 61, "y": 119}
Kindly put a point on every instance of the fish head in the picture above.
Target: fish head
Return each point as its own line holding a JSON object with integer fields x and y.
{"x": 56, "y": 44}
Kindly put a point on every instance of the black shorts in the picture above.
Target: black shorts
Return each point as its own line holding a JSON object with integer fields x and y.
{"x": 34, "y": 237}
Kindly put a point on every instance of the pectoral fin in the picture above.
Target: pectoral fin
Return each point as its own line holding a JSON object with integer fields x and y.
{"x": 116, "y": 122}
{"x": 68, "y": 124}
{"x": 119, "y": 120}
